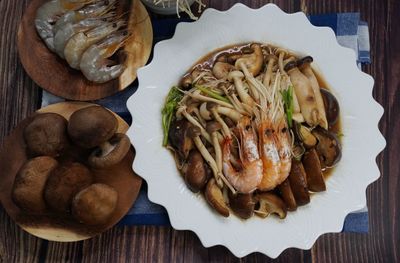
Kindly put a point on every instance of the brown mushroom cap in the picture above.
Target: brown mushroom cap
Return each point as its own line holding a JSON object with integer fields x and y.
{"x": 95, "y": 204}
{"x": 197, "y": 171}
{"x": 110, "y": 152}
{"x": 29, "y": 184}
{"x": 213, "y": 126}
{"x": 329, "y": 148}
{"x": 215, "y": 199}
{"x": 331, "y": 104}
{"x": 291, "y": 65}
{"x": 193, "y": 132}
{"x": 91, "y": 126}
{"x": 177, "y": 137}
{"x": 63, "y": 183}
{"x": 242, "y": 204}
{"x": 304, "y": 61}
{"x": 222, "y": 69}
{"x": 46, "y": 134}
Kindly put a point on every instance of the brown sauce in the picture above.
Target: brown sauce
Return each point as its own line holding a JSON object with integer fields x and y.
{"x": 207, "y": 61}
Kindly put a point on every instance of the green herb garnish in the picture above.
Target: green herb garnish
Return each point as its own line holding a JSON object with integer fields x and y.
{"x": 287, "y": 96}
{"x": 212, "y": 94}
{"x": 171, "y": 103}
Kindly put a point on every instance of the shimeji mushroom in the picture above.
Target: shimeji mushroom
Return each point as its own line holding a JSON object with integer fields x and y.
{"x": 197, "y": 96}
{"x": 182, "y": 111}
{"x": 207, "y": 115}
{"x": 213, "y": 127}
{"x": 253, "y": 62}
{"x": 236, "y": 77}
{"x": 194, "y": 133}
{"x": 270, "y": 59}
{"x": 304, "y": 93}
{"x": 304, "y": 65}
{"x": 110, "y": 152}
{"x": 281, "y": 55}
{"x": 222, "y": 69}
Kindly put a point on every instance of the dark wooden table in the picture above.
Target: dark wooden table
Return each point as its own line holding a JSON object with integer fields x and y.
{"x": 19, "y": 97}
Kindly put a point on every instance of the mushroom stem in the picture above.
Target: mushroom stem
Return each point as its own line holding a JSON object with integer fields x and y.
{"x": 236, "y": 76}
{"x": 268, "y": 73}
{"x": 209, "y": 159}
{"x": 198, "y": 96}
{"x": 232, "y": 114}
{"x": 225, "y": 128}
{"x": 195, "y": 123}
{"x": 196, "y": 111}
{"x": 256, "y": 87}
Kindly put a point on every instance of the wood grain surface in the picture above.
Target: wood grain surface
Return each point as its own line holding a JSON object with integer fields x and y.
{"x": 19, "y": 97}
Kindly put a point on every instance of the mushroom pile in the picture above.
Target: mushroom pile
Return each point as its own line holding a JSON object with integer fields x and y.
{"x": 253, "y": 128}
{"x": 59, "y": 176}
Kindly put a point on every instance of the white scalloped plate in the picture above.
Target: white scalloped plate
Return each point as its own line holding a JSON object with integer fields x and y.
{"x": 360, "y": 114}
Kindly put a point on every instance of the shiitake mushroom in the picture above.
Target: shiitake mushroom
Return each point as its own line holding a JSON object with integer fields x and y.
{"x": 331, "y": 106}
{"x": 29, "y": 184}
{"x": 46, "y": 135}
{"x": 242, "y": 204}
{"x": 95, "y": 204}
{"x": 312, "y": 166}
{"x": 89, "y": 127}
{"x": 197, "y": 172}
{"x": 298, "y": 183}
{"x": 178, "y": 138}
{"x": 328, "y": 147}
{"x": 269, "y": 203}
{"x": 110, "y": 152}
{"x": 286, "y": 192}
{"x": 215, "y": 198}
{"x": 63, "y": 183}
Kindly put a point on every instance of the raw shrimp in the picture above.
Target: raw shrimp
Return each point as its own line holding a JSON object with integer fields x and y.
{"x": 248, "y": 178}
{"x": 91, "y": 11}
{"x": 65, "y": 33}
{"x": 49, "y": 13}
{"x": 95, "y": 64}
{"x": 81, "y": 41}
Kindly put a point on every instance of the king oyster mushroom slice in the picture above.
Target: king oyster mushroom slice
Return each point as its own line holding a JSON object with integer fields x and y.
{"x": 305, "y": 67}
{"x": 110, "y": 152}
{"x": 215, "y": 198}
{"x": 270, "y": 203}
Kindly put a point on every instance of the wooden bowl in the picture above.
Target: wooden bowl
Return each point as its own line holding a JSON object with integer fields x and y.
{"x": 54, "y": 74}
{"x": 51, "y": 226}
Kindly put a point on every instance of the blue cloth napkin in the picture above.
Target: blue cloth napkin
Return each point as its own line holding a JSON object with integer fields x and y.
{"x": 350, "y": 32}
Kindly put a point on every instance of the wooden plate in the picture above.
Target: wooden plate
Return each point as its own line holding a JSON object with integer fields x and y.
{"x": 52, "y": 227}
{"x": 54, "y": 75}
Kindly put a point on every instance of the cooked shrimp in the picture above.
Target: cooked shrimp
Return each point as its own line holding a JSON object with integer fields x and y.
{"x": 81, "y": 41}
{"x": 248, "y": 178}
{"x": 274, "y": 142}
{"x": 95, "y": 64}
{"x": 91, "y": 11}
{"x": 49, "y": 13}
{"x": 65, "y": 33}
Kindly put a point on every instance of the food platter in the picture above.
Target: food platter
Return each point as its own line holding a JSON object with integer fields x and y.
{"x": 57, "y": 228}
{"x": 345, "y": 186}
{"x": 54, "y": 75}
